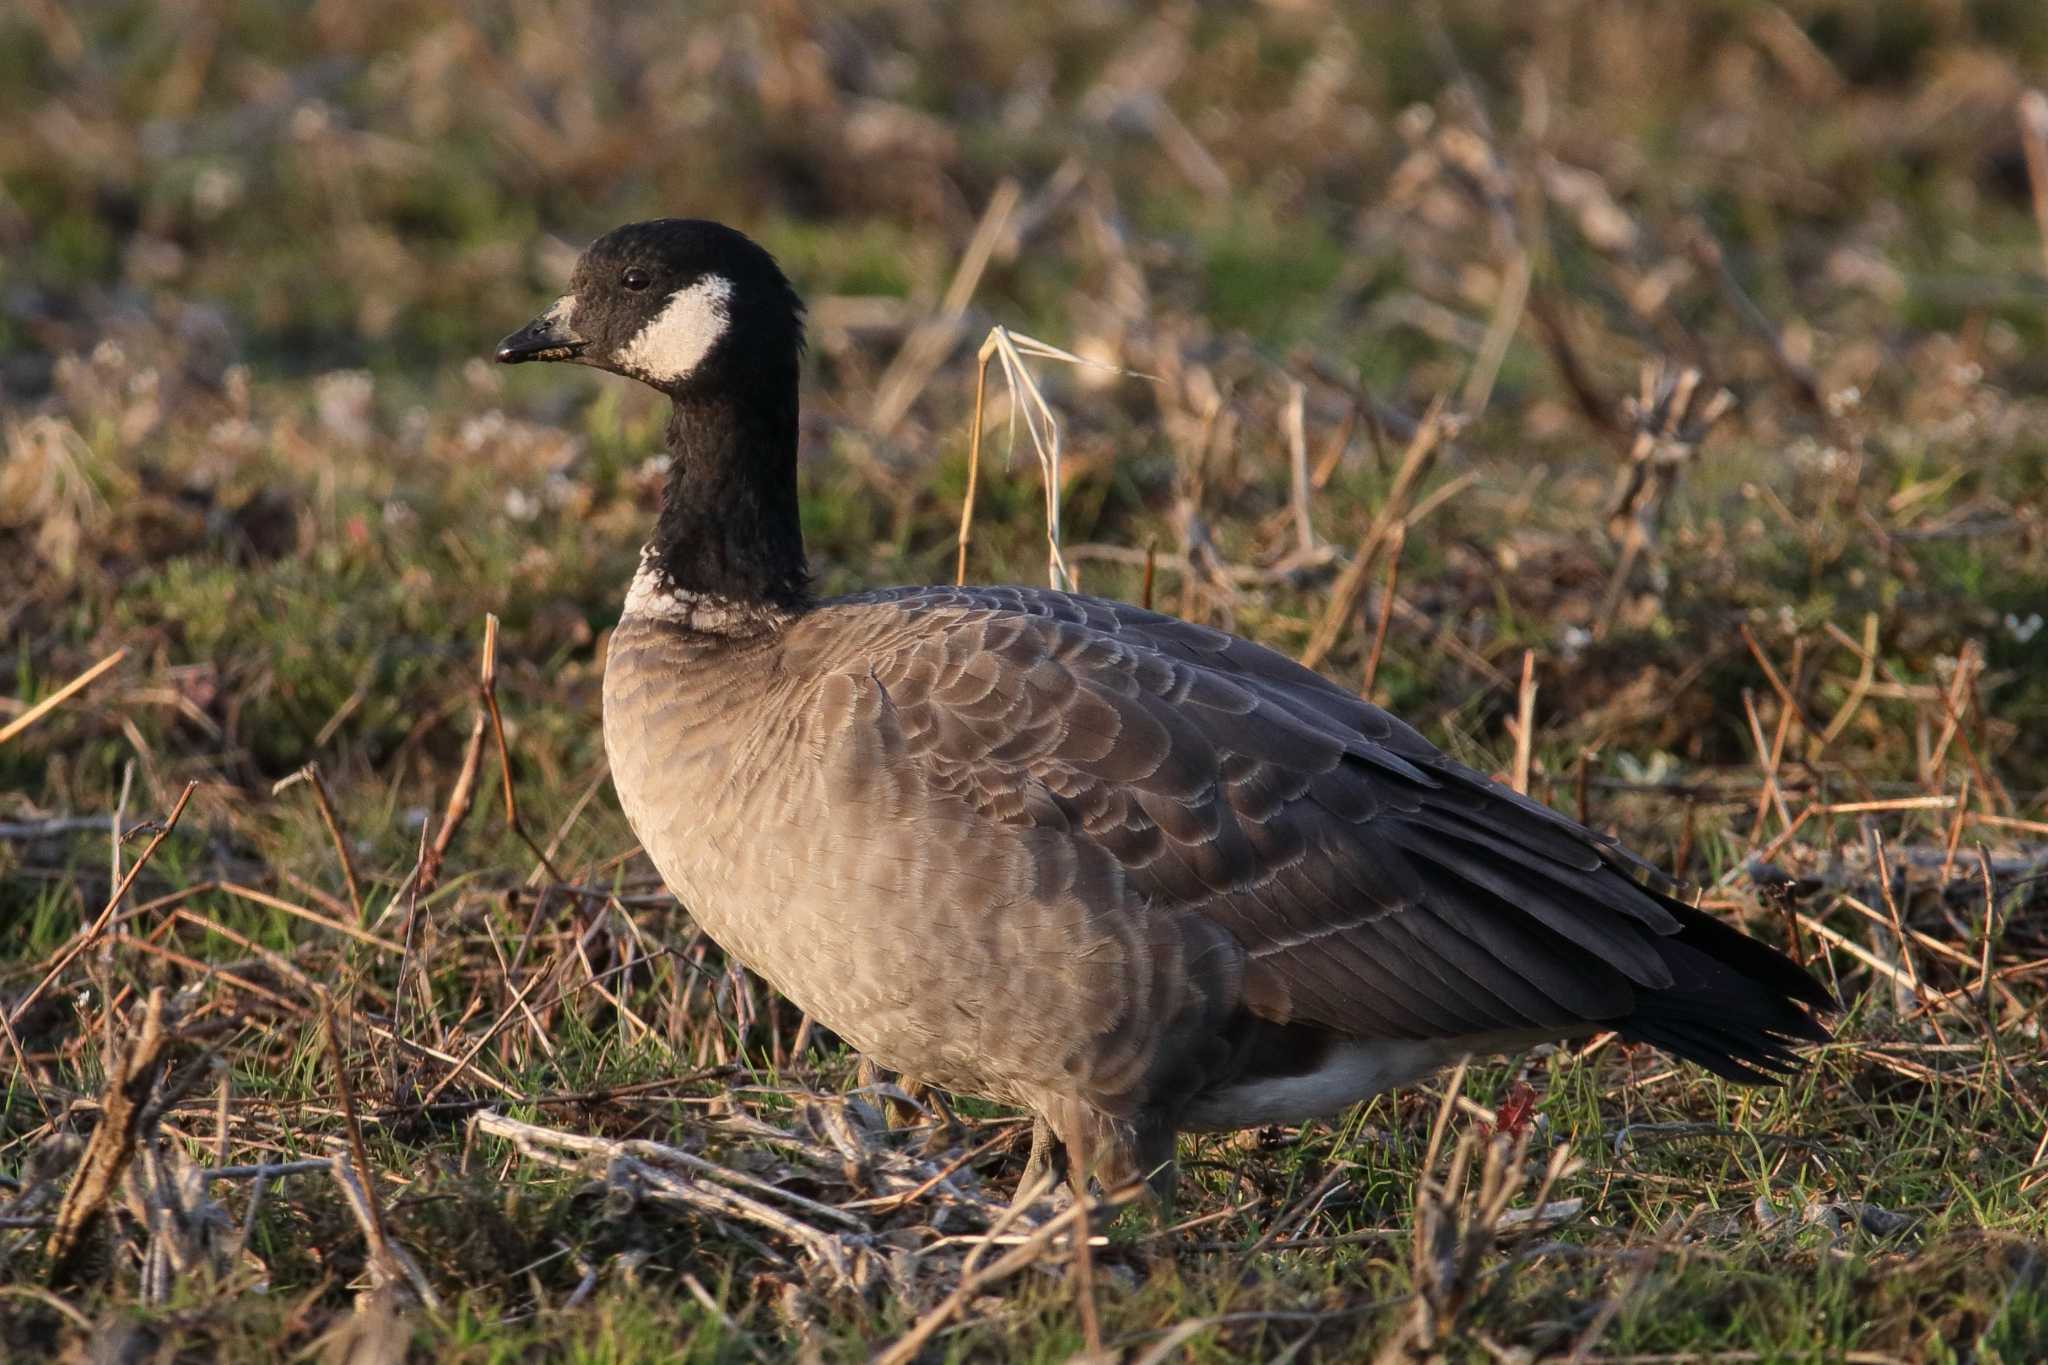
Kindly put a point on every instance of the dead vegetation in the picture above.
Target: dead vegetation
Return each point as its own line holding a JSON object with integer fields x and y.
{"x": 1644, "y": 399}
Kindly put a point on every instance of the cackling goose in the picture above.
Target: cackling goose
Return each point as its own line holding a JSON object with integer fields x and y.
{"x": 1132, "y": 873}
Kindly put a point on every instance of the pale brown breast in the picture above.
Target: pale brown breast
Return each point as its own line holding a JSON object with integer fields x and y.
{"x": 769, "y": 781}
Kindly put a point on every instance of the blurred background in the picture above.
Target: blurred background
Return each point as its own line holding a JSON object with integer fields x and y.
{"x": 255, "y": 255}
{"x": 1479, "y": 271}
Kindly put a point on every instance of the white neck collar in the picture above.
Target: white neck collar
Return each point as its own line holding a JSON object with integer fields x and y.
{"x": 653, "y": 597}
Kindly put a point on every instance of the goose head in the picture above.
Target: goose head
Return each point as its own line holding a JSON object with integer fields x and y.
{"x": 700, "y": 313}
{"x": 682, "y": 305}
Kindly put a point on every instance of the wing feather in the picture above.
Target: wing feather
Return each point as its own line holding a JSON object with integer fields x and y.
{"x": 1384, "y": 890}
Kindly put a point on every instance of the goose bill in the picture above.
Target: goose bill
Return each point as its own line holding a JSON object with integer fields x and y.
{"x": 547, "y": 337}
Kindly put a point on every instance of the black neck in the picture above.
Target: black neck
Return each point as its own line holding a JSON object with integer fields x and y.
{"x": 729, "y": 526}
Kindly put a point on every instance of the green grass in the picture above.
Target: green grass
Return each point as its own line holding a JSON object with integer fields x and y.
{"x": 197, "y": 232}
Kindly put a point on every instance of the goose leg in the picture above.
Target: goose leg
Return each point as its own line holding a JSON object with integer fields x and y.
{"x": 1152, "y": 1143}
{"x": 1080, "y": 1165}
{"x": 949, "y": 1132}
{"x": 1041, "y": 1153}
{"x": 870, "y": 1075}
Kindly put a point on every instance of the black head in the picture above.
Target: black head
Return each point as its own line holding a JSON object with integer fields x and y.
{"x": 678, "y": 303}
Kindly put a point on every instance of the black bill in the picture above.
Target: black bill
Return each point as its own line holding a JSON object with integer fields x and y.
{"x": 547, "y": 337}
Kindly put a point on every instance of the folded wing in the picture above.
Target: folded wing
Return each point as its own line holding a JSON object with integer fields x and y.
{"x": 1380, "y": 890}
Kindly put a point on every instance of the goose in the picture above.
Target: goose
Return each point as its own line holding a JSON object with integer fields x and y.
{"x": 1133, "y": 874}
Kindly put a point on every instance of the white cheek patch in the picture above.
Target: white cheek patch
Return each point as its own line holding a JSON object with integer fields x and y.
{"x": 560, "y": 313}
{"x": 682, "y": 334}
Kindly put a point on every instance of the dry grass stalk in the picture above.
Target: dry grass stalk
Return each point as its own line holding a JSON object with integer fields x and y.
{"x": 1277, "y": 1229}
{"x": 1039, "y": 424}
{"x": 1866, "y": 673}
{"x": 226, "y": 975}
{"x": 1669, "y": 429}
{"x": 887, "y": 1203}
{"x": 1458, "y": 1226}
{"x": 1894, "y": 804}
{"x": 1955, "y": 829}
{"x": 1796, "y": 53}
{"x": 974, "y": 1278}
{"x": 264, "y": 898}
{"x": 534, "y": 1140}
{"x": 1294, "y": 425}
{"x": 91, "y": 934}
{"x": 2033, "y": 113}
{"x": 1525, "y": 721}
{"x": 60, "y": 696}
{"x": 636, "y": 1170}
{"x": 1990, "y": 920}
{"x": 1389, "y": 594}
{"x": 1992, "y": 791}
{"x": 466, "y": 1063}
{"x": 52, "y": 1301}
{"x": 535, "y": 1027}
{"x": 1708, "y": 253}
{"x": 1857, "y": 951}
{"x": 1667, "y": 1235}
{"x": 839, "y": 1144}
{"x": 22, "y": 1070}
{"x": 1900, "y": 934}
{"x": 928, "y": 345}
{"x": 132, "y": 1075}
{"x": 1786, "y": 700}
{"x": 357, "y": 1180}
{"x": 1164, "y": 1349}
{"x": 285, "y": 968}
{"x": 407, "y": 961}
{"x": 166, "y": 1193}
{"x": 1768, "y": 756}
{"x": 311, "y": 774}
{"x": 1333, "y": 452}
{"x": 1500, "y": 333}
{"x": 460, "y": 798}
{"x": 1955, "y": 703}
{"x": 1595, "y": 407}
{"x": 1349, "y": 591}
{"x": 973, "y": 471}
{"x": 376, "y": 1333}
{"x": 487, "y": 685}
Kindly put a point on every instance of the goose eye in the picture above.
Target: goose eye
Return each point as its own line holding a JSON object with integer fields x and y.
{"x": 634, "y": 279}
